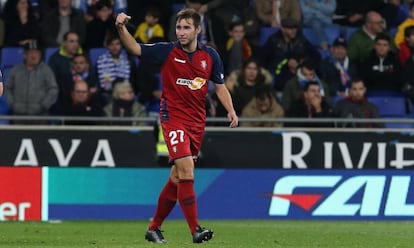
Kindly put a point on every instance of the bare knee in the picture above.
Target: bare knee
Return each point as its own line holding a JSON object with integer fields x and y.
{"x": 185, "y": 168}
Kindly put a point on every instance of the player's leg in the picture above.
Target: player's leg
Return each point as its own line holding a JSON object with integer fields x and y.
{"x": 166, "y": 203}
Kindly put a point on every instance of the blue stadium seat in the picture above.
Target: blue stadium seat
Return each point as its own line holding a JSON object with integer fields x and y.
{"x": 332, "y": 33}
{"x": 390, "y": 106}
{"x": 265, "y": 32}
{"x": 48, "y": 52}
{"x": 349, "y": 31}
{"x": 11, "y": 56}
{"x": 310, "y": 36}
{"x": 5, "y": 71}
{"x": 177, "y": 7}
{"x": 399, "y": 125}
{"x": 94, "y": 54}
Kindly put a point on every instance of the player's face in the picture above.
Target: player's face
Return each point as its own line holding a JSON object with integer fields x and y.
{"x": 186, "y": 31}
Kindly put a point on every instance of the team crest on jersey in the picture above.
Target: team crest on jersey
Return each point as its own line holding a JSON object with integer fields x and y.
{"x": 204, "y": 64}
{"x": 194, "y": 84}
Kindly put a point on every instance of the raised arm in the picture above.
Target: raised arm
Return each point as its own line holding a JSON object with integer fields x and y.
{"x": 126, "y": 38}
{"x": 225, "y": 99}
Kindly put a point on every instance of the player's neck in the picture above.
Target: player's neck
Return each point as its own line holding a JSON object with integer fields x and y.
{"x": 191, "y": 47}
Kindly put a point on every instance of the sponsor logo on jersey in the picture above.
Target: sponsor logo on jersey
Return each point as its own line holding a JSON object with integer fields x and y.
{"x": 179, "y": 60}
{"x": 204, "y": 64}
{"x": 194, "y": 84}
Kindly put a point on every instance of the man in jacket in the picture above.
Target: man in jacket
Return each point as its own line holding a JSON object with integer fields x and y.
{"x": 31, "y": 87}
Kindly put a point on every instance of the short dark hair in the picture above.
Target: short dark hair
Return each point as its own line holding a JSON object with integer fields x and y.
{"x": 309, "y": 64}
{"x": 65, "y": 36}
{"x": 235, "y": 24}
{"x": 357, "y": 80}
{"x": 408, "y": 31}
{"x": 153, "y": 11}
{"x": 382, "y": 36}
{"x": 308, "y": 84}
{"x": 189, "y": 13}
{"x": 81, "y": 55}
{"x": 263, "y": 92}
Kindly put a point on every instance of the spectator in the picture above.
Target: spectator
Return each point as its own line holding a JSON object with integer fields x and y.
{"x": 237, "y": 48}
{"x": 123, "y": 104}
{"x": 31, "y": 87}
{"x": 381, "y": 69}
{"x": 399, "y": 36}
{"x": 61, "y": 64}
{"x": 311, "y": 105}
{"x": 286, "y": 70}
{"x": 150, "y": 30}
{"x": 337, "y": 70}
{"x": 20, "y": 23}
{"x": 406, "y": 48}
{"x": 294, "y": 87}
{"x": 83, "y": 104}
{"x": 282, "y": 46}
{"x": 60, "y": 21}
{"x": 263, "y": 105}
{"x": 248, "y": 80}
{"x": 392, "y": 12}
{"x": 272, "y": 12}
{"x": 351, "y": 13}
{"x": 81, "y": 70}
{"x": 113, "y": 65}
{"x": 101, "y": 25}
{"x": 361, "y": 41}
{"x": 317, "y": 14}
{"x": 356, "y": 105}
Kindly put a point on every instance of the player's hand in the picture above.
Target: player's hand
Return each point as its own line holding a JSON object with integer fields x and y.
{"x": 234, "y": 120}
{"x": 121, "y": 20}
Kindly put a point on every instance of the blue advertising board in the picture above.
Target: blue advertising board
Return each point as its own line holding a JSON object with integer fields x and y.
{"x": 115, "y": 193}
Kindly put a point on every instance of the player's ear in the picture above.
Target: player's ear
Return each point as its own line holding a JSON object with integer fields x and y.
{"x": 198, "y": 29}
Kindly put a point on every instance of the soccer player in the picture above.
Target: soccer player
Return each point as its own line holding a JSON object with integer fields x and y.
{"x": 186, "y": 68}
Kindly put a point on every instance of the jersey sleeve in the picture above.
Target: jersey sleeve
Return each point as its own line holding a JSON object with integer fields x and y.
{"x": 217, "y": 72}
{"x": 156, "y": 53}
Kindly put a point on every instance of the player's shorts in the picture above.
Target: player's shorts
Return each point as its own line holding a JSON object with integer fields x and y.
{"x": 182, "y": 140}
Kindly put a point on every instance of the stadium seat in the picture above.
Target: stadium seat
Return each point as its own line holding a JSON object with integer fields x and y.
{"x": 48, "y": 52}
{"x": 177, "y": 7}
{"x": 384, "y": 93}
{"x": 399, "y": 125}
{"x": 11, "y": 56}
{"x": 94, "y": 54}
{"x": 389, "y": 106}
{"x": 5, "y": 71}
{"x": 332, "y": 33}
{"x": 265, "y": 32}
{"x": 349, "y": 31}
{"x": 310, "y": 36}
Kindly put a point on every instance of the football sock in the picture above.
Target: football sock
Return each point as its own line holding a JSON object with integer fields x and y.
{"x": 188, "y": 203}
{"x": 166, "y": 203}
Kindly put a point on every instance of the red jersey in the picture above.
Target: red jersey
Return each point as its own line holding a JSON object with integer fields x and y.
{"x": 185, "y": 78}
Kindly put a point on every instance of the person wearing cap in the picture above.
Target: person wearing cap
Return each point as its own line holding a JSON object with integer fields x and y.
{"x": 337, "y": 70}
{"x": 282, "y": 46}
{"x": 31, "y": 87}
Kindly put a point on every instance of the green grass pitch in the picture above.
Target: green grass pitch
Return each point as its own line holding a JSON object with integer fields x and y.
{"x": 228, "y": 234}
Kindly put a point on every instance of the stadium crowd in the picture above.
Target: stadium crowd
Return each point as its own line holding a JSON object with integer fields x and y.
{"x": 282, "y": 58}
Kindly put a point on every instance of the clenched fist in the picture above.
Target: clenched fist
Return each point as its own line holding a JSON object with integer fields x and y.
{"x": 121, "y": 20}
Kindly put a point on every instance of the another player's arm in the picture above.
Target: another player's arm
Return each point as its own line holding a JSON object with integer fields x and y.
{"x": 225, "y": 99}
{"x": 127, "y": 39}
